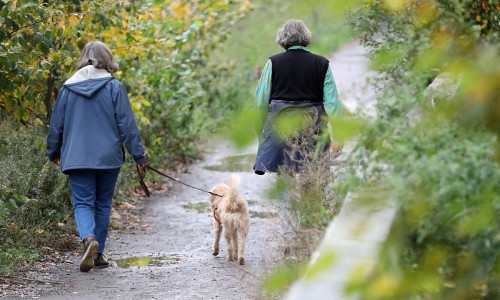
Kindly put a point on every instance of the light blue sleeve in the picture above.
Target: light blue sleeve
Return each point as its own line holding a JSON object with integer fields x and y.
{"x": 263, "y": 91}
{"x": 331, "y": 102}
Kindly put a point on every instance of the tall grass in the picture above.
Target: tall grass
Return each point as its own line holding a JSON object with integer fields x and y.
{"x": 34, "y": 197}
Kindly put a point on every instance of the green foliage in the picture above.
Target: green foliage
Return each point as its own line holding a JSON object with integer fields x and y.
{"x": 282, "y": 279}
{"x": 170, "y": 80}
{"x": 307, "y": 199}
{"x": 434, "y": 147}
{"x": 39, "y": 46}
{"x": 34, "y": 195}
{"x": 162, "y": 48}
{"x": 305, "y": 185}
{"x": 445, "y": 180}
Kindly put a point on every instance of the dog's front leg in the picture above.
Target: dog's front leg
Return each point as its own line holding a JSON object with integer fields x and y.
{"x": 227, "y": 235}
{"x": 218, "y": 231}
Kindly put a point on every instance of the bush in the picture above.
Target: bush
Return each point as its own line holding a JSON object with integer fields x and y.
{"x": 34, "y": 195}
{"x": 308, "y": 185}
{"x": 305, "y": 194}
{"x": 436, "y": 152}
{"x": 168, "y": 79}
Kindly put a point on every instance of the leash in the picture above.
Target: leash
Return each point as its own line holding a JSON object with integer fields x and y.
{"x": 178, "y": 181}
{"x": 215, "y": 216}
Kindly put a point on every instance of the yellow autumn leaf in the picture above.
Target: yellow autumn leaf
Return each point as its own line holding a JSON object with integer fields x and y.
{"x": 61, "y": 23}
{"x": 395, "y": 5}
{"x": 383, "y": 287}
{"x": 136, "y": 106}
{"x": 426, "y": 11}
{"x": 29, "y": 31}
{"x": 73, "y": 20}
{"x": 38, "y": 121}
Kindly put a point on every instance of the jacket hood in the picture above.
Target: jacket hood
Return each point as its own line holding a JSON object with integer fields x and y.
{"x": 87, "y": 81}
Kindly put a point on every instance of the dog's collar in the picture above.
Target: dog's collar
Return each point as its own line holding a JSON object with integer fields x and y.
{"x": 215, "y": 217}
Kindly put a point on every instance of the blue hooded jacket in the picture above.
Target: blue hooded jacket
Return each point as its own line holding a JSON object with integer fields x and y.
{"x": 91, "y": 121}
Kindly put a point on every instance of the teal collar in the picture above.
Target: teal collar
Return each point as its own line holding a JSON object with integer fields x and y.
{"x": 298, "y": 47}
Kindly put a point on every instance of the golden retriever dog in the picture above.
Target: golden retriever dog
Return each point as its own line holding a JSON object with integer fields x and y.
{"x": 231, "y": 213}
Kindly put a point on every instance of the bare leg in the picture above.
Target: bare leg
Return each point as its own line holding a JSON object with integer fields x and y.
{"x": 218, "y": 231}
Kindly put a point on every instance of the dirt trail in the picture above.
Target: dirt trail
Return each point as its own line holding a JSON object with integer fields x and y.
{"x": 177, "y": 247}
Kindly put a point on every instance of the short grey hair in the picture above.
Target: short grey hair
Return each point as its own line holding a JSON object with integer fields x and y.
{"x": 99, "y": 55}
{"x": 293, "y": 33}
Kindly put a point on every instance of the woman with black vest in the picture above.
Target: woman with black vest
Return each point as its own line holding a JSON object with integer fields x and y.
{"x": 294, "y": 80}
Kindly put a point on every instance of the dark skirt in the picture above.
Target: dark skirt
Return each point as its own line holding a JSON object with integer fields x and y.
{"x": 273, "y": 151}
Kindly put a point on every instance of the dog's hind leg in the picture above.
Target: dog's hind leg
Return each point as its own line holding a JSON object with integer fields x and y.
{"x": 218, "y": 231}
{"x": 235, "y": 245}
{"x": 241, "y": 246}
{"x": 227, "y": 235}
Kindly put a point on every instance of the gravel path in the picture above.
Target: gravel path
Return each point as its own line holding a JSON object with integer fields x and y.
{"x": 173, "y": 256}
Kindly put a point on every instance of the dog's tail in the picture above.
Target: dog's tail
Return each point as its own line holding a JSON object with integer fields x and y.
{"x": 234, "y": 182}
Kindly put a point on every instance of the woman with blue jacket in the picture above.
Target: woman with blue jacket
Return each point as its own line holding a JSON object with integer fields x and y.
{"x": 91, "y": 121}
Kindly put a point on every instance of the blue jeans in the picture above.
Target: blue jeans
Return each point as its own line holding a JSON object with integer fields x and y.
{"x": 92, "y": 192}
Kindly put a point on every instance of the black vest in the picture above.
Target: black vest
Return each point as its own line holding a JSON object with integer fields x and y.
{"x": 298, "y": 75}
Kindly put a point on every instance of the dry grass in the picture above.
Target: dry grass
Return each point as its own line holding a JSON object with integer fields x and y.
{"x": 308, "y": 202}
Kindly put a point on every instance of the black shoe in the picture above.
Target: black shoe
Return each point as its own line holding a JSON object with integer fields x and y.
{"x": 90, "y": 246}
{"x": 100, "y": 262}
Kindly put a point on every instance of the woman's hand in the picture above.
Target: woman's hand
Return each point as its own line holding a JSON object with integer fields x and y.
{"x": 141, "y": 168}
{"x": 57, "y": 161}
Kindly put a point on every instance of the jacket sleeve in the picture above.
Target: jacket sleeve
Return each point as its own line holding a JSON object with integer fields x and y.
{"x": 127, "y": 127}
{"x": 331, "y": 101}
{"x": 263, "y": 90}
{"x": 262, "y": 95}
{"x": 55, "y": 136}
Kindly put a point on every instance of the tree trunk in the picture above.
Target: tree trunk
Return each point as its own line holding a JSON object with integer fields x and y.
{"x": 51, "y": 91}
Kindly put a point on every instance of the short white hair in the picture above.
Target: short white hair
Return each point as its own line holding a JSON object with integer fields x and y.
{"x": 293, "y": 33}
